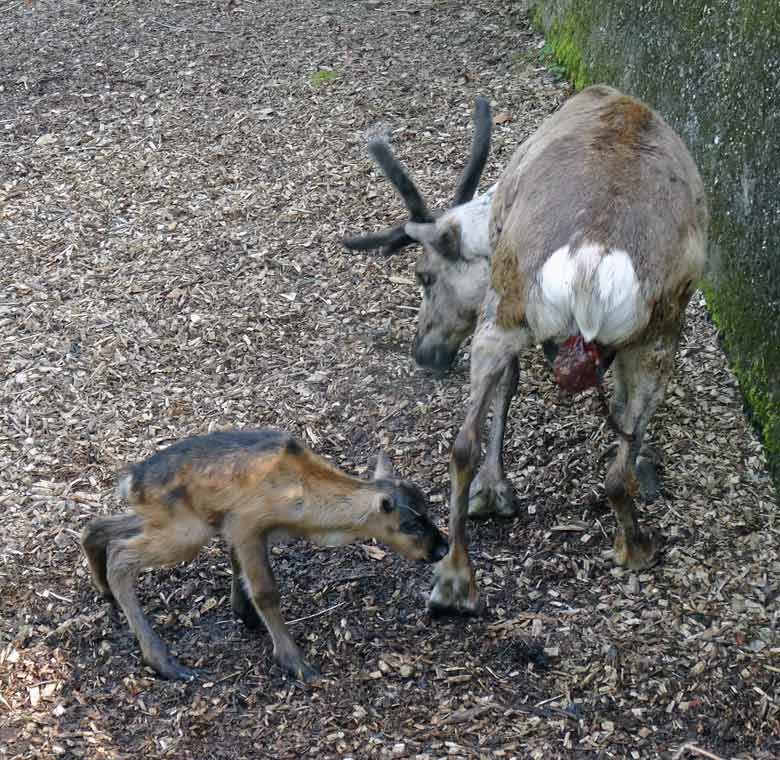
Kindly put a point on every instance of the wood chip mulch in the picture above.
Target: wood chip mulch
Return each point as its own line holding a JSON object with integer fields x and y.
{"x": 175, "y": 178}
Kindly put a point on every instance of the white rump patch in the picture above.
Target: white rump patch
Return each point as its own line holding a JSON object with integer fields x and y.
{"x": 593, "y": 292}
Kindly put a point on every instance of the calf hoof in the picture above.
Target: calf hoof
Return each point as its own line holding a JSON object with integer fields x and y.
{"x": 173, "y": 671}
{"x": 248, "y": 616}
{"x": 297, "y": 668}
{"x": 647, "y": 477}
{"x": 454, "y": 593}
{"x": 641, "y": 553}
{"x": 491, "y": 495}
{"x": 157, "y": 657}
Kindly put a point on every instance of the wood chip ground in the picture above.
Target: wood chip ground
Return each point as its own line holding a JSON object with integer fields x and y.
{"x": 175, "y": 178}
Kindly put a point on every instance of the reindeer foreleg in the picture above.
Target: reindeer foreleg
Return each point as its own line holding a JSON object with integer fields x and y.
{"x": 239, "y": 599}
{"x": 491, "y": 492}
{"x": 252, "y": 556}
{"x": 493, "y": 351}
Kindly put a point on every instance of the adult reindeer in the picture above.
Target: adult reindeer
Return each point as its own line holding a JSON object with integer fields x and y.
{"x": 597, "y": 236}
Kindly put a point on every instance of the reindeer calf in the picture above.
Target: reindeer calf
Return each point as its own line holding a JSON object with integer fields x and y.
{"x": 250, "y": 487}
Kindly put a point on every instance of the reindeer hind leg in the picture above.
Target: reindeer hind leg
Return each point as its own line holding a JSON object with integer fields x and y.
{"x": 95, "y": 538}
{"x": 177, "y": 540}
{"x": 645, "y": 370}
{"x": 646, "y": 460}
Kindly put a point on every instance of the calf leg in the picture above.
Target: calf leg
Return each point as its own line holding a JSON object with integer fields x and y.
{"x": 491, "y": 492}
{"x": 95, "y": 538}
{"x": 252, "y": 554}
{"x": 178, "y": 540}
{"x": 645, "y": 371}
{"x": 239, "y": 599}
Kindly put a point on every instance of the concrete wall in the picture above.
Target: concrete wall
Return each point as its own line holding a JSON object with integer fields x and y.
{"x": 712, "y": 69}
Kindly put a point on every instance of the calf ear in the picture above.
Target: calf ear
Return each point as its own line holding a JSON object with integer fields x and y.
{"x": 384, "y": 467}
{"x": 443, "y": 238}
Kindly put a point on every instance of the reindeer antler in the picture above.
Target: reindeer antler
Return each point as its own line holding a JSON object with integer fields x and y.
{"x": 480, "y": 148}
{"x": 390, "y": 241}
{"x": 395, "y": 238}
{"x": 394, "y": 170}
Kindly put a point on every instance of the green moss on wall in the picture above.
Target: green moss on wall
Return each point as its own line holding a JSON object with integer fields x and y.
{"x": 711, "y": 67}
{"x": 741, "y": 325}
{"x": 562, "y": 38}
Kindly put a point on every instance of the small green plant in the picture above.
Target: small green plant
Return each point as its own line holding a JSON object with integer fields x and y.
{"x": 323, "y": 77}
{"x": 548, "y": 58}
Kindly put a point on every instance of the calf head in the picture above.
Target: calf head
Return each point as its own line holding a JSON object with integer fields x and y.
{"x": 402, "y": 520}
{"x": 453, "y": 270}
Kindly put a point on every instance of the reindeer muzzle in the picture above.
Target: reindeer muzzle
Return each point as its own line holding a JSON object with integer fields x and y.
{"x": 438, "y": 357}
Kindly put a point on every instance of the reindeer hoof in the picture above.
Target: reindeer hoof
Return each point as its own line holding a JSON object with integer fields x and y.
{"x": 640, "y": 554}
{"x": 308, "y": 674}
{"x": 157, "y": 657}
{"x": 455, "y": 592}
{"x": 491, "y": 495}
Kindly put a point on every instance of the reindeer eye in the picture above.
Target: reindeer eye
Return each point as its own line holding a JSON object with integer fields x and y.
{"x": 386, "y": 505}
{"x": 426, "y": 279}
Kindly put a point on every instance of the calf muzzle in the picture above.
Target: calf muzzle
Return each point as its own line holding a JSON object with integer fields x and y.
{"x": 439, "y": 549}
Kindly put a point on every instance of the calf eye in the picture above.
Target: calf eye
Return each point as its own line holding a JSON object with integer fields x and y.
{"x": 426, "y": 279}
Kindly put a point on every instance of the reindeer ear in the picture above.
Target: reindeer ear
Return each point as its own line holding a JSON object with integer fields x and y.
{"x": 444, "y": 238}
{"x": 384, "y": 467}
{"x": 449, "y": 242}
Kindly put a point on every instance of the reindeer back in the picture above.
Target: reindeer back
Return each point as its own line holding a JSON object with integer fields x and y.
{"x": 600, "y": 215}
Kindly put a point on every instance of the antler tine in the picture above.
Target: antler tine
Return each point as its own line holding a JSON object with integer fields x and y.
{"x": 480, "y": 148}
{"x": 402, "y": 182}
{"x": 390, "y": 241}
{"x": 394, "y": 239}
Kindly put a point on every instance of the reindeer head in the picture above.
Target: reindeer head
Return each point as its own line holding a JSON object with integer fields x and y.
{"x": 454, "y": 267}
